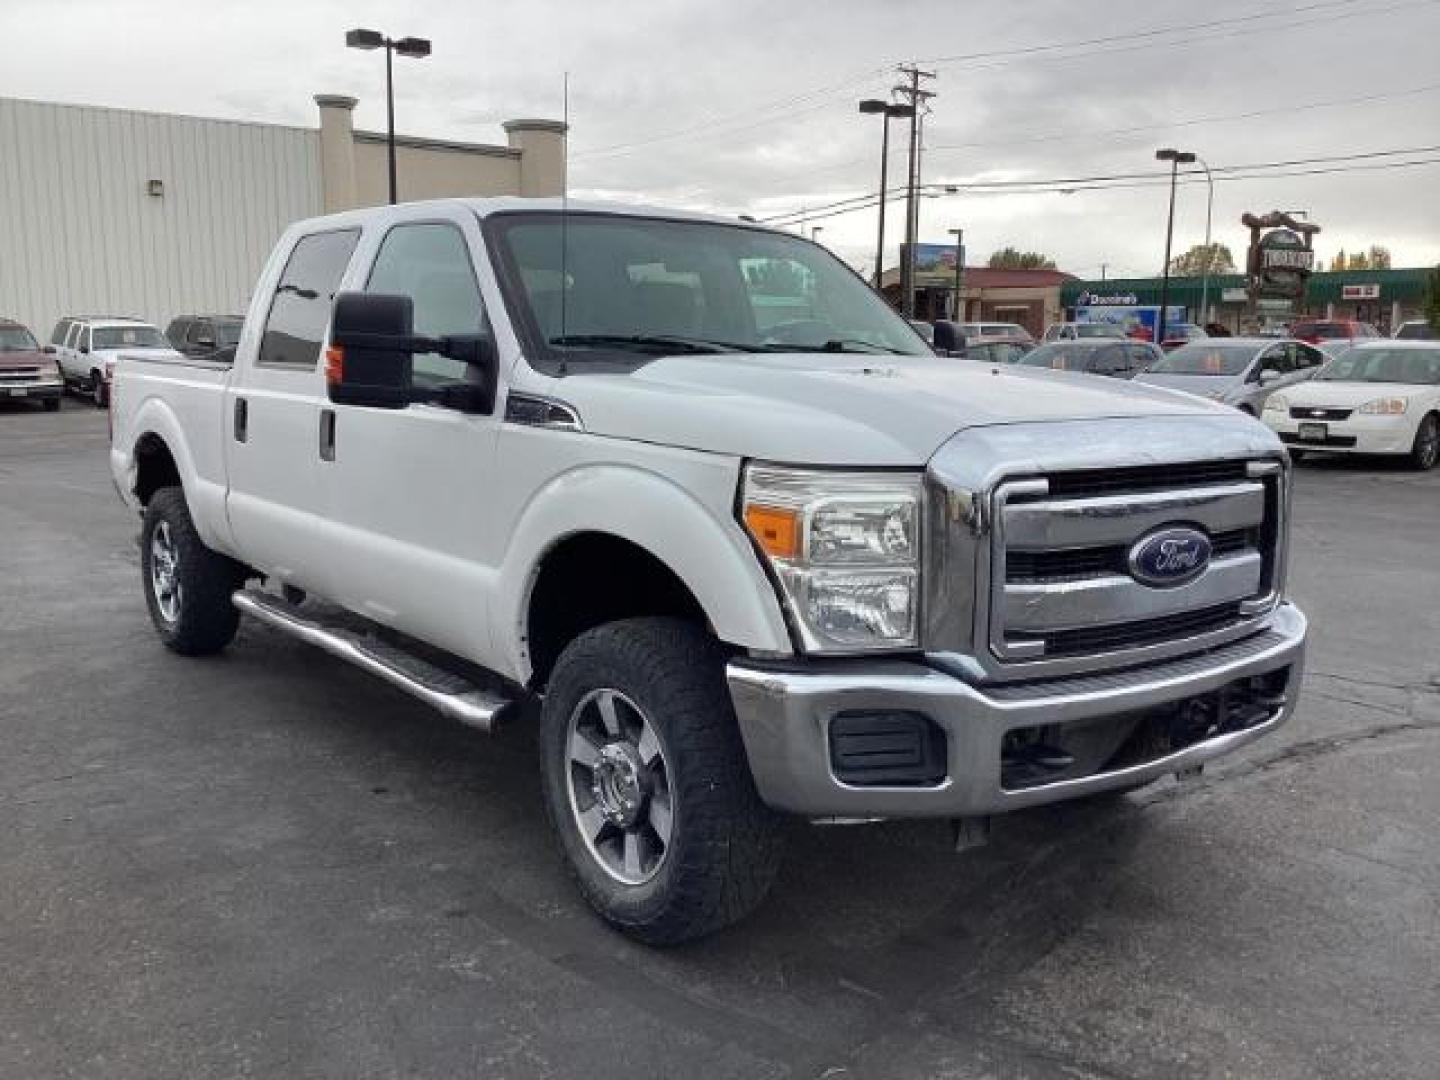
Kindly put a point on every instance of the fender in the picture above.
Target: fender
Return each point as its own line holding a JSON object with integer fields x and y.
{"x": 205, "y": 495}
{"x": 706, "y": 550}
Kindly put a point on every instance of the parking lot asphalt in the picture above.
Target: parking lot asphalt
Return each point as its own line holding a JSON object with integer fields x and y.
{"x": 268, "y": 864}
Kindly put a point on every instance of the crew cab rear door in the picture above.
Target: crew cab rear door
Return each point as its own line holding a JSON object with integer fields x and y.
{"x": 273, "y": 406}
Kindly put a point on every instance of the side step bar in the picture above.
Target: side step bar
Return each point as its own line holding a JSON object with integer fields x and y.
{"x": 453, "y": 695}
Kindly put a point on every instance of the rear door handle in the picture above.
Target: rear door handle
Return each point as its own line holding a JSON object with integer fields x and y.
{"x": 327, "y": 434}
{"x": 242, "y": 419}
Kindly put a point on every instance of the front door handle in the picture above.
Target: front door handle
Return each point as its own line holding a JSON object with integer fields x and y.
{"x": 327, "y": 434}
{"x": 242, "y": 419}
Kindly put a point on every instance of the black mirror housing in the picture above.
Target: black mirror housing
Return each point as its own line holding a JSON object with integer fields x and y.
{"x": 949, "y": 341}
{"x": 371, "y": 356}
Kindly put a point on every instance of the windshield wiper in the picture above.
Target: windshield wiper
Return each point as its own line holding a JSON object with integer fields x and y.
{"x": 654, "y": 343}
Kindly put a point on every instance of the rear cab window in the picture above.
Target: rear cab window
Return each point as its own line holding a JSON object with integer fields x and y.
{"x": 300, "y": 306}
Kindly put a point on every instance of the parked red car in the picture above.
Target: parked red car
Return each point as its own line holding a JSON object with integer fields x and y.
{"x": 1314, "y": 331}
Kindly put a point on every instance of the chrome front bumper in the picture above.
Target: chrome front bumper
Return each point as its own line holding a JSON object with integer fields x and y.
{"x": 785, "y": 711}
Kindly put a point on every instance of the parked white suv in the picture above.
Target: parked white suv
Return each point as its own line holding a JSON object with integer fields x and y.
{"x": 755, "y": 548}
{"x": 88, "y": 348}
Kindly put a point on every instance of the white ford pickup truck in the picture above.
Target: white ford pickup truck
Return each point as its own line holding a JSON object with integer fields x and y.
{"x": 755, "y": 548}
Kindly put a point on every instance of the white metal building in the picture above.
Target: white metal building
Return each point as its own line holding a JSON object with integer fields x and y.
{"x": 113, "y": 212}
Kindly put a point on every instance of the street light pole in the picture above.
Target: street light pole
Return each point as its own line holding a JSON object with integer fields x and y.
{"x": 416, "y": 48}
{"x": 1176, "y": 159}
{"x": 959, "y": 235}
{"x": 1209, "y": 255}
{"x": 887, "y": 111}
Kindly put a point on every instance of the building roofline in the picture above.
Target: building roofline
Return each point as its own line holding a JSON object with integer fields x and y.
{"x": 155, "y": 113}
{"x": 419, "y": 142}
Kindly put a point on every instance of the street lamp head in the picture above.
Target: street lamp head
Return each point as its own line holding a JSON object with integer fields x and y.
{"x": 364, "y": 39}
{"x": 896, "y": 111}
{"x": 873, "y": 105}
{"x": 415, "y": 47}
{"x": 1185, "y": 158}
{"x": 1168, "y": 154}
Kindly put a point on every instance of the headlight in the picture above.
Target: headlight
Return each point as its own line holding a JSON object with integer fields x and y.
{"x": 1277, "y": 403}
{"x": 845, "y": 548}
{"x": 1385, "y": 406}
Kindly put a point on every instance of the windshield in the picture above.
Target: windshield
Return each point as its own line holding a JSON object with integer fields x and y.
{"x": 1205, "y": 359}
{"x": 1098, "y": 330}
{"x": 16, "y": 339}
{"x": 126, "y": 337}
{"x": 1415, "y": 366}
{"x": 1061, "y": 356}
{"x": 650, "y": 286}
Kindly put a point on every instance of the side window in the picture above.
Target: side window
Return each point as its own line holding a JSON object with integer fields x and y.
{"x": 300, "y": 308}
{"x": 72, "y": 336}
{"x": 1307, "y": 358}
{"x": 430, "y": 263}
{"x": 175, "y": 332}
{"x": 1274, "y": 359}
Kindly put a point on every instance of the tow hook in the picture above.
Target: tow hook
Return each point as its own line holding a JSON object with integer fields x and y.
{"x": 970, "y": 832}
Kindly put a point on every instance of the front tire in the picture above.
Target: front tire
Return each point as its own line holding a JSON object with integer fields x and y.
{"x": 647, "y": 784}
{"x": 1426, "y": 450}
{"x": 99, "y": 392}
{"x": 52, "y": 404}
{"x": 187, "y": 586}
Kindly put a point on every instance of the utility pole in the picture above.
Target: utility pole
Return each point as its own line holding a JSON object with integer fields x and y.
{"x": 917, "y": 99}
{"x": 1103, "y": 268}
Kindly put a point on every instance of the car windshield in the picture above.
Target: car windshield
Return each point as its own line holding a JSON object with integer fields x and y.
{"x": 1204, "y": 358}
{"x": 126, "y": 337}
{"x": 16, "y": 339}
{"x": 1098, "y": 330}
{"x": 1416, "y": 366}
{"x": 1061, "y": 356}
{"x": 643, "y": 285}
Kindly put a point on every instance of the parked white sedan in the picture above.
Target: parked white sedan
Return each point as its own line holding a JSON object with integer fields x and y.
{"x": 1381, "y": 397}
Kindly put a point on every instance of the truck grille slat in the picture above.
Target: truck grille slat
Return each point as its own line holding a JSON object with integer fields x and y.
{"x": 1085, "y": 482}
{"x": 1097, "y": 639}
{"x": 1076, "y": 564}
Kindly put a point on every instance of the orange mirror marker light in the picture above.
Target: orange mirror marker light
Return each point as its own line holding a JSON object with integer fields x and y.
{"x": 777, "y": 531}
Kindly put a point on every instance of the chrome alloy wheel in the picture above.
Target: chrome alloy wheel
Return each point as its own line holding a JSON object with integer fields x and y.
{"x": 619, "y": 786}
{"x": 165, "y": 572}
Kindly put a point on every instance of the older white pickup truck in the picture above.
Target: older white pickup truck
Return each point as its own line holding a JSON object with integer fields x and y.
{"x": 756, "y": 548}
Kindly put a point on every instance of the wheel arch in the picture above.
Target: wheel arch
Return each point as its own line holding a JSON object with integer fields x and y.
{"x": 652, "y": 524}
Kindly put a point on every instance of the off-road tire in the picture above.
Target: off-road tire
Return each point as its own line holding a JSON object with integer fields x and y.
{"x": 205, "y": 620}
{"x": 1425, "y": 455}
{"x": 52, "y": 404}
{"x": 726, "y": 844}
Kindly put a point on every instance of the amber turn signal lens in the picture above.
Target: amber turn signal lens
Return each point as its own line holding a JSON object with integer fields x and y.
{"x": 335, "y": 364}
{"x": 776, "y": 531}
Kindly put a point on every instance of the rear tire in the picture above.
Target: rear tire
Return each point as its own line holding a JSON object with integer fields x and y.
{"x": 187, "y": 586}
{"x": 1426, "y": 451}
{"x": 52, "y": 404}
{"x": 638, "y": 740}
{"x": 99, "y": 392}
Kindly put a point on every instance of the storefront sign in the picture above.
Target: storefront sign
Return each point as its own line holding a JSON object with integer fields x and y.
{"x": 1090, "y": 299}
{"x": 1360, "y": 292}
{"x": 1233, "y": 296}
{"x": 1281, "y": 257}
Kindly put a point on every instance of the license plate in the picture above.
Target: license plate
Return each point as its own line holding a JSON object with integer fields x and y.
{"x": 17, "y": 391}
{"x": 1314, "y": 432}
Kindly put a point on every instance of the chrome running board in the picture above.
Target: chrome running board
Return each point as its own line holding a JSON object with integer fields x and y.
{"x": 452, "y": 694}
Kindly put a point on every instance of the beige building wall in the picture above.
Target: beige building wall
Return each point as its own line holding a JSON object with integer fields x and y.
{"x": 355, "y": 164}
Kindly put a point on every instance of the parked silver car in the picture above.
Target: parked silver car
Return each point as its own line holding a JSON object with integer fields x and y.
{"x": 1238, "y": 371}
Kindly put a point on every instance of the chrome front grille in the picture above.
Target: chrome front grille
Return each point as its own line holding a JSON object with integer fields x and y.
{"x": 1060, "y": 583}
{"x": 19, "y": 375}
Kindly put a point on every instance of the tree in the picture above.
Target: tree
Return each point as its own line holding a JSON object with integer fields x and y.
{"x": 1358, "y": 261}
{"x": 1338, "y": 262}
{"x": 1216, "y": 259}
{"x": 1379, "y": 257}
{"x": 1009, "y": 258}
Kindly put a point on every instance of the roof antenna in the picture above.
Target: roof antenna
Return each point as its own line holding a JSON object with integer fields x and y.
{"x": 564, "y": 206}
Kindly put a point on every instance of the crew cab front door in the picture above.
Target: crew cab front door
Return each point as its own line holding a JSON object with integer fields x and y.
{"x": 406, "y": 489}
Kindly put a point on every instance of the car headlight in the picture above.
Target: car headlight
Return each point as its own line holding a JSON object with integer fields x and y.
{"x": 1385, "y": 406}
{"x": 1277, "y": 403}
{"x": 845, "y": 548}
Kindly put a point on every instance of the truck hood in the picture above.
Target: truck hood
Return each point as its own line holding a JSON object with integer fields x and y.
{"x": 842, "y": 410}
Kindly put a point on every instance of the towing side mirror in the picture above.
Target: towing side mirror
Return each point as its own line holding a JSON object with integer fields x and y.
{"x": 371, "y": 358}
{"x": 949, "y": 341}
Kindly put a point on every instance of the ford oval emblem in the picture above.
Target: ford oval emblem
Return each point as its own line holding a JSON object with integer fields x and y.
{"x": 1169, "y": 557}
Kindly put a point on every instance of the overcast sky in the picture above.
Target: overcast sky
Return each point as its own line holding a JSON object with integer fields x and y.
{"x": 747, "y": 106}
